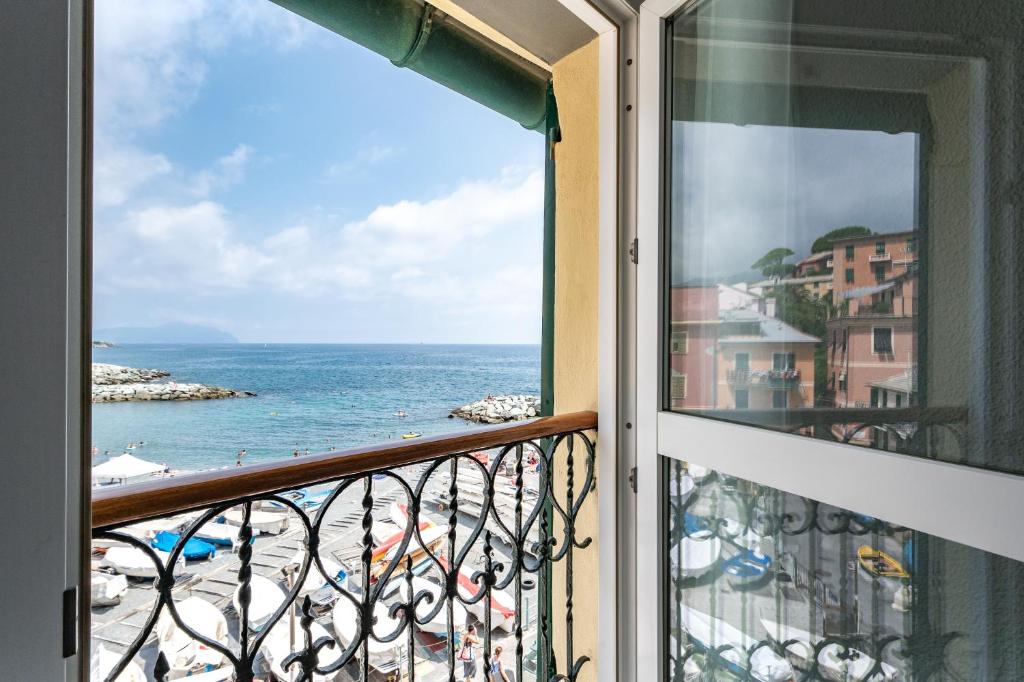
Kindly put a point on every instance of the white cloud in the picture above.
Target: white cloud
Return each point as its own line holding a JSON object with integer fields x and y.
{"x": 120, "y": 170}
{"x": 226, "y": 171}
{"x": 398, "y": 249}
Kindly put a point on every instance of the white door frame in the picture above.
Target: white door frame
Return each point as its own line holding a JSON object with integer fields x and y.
{"x": 833, "y": 473}
{"x": 43, "y": 223}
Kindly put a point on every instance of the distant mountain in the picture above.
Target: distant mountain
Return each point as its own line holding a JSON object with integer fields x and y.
{"x": 171, "y": 332}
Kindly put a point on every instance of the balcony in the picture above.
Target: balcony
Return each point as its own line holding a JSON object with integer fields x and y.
{"x": 420, "y": 538}
{"x": 772, "y": 378}
{"x": 879, "y": 257}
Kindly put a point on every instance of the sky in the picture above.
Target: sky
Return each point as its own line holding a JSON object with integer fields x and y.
{"x": 740, "y": 191}
{"x": 256, "y": 173}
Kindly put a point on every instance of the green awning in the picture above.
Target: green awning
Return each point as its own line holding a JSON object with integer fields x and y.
{"x": 417, "y": 36}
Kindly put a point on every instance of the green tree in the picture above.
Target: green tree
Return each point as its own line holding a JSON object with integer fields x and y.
{"x": 771, "y": 264}
{"x": 824, "y": 242}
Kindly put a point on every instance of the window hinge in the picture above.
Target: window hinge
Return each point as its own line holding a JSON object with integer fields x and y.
{"x": 634, "y": 251}
{"x": 70, "y": 629}
{"x": 632, "y": 479}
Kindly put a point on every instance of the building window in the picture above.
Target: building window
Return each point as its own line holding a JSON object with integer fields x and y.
{"x": 881, "y": 340}
{"x": 742, "y": 399}
{"x": 849, "y": 275}
{"x": 842, "y": 382}
{"x": 911, "y": 245}
{"x": 879, "y": 247}
{"x": 849, "y": 253}
{"x": 680, "y": 343}
{"x": 874, "y": 397}
{"x": 899, "y": 400}
{"x": 741, "y": 361}
{"x": 678, "y": 386}
{"x": 845, "y": 337}
{"x": 780, "y": 399}
{"x": 782, "y": 361}
{"x": 879, "y": 273}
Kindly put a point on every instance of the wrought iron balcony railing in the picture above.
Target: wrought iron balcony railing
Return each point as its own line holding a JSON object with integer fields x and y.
{"x": 478, "y": 521}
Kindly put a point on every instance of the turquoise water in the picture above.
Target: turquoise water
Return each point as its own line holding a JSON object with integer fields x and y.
{"x": 308, "y": 397}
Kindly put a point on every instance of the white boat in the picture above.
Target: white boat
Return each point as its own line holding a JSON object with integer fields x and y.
{"x": 315, "y": 579}
{"x": 271, "y": 523}
{"x": 286, "y": 638}
{"x": 711, "y": 633}
{"x": 185, "y": 655}
{"x": 693, "y": 557}
{"x": 134, "y": 563}
{"x": 503, "y": 606}
{"x": 223, "y": 534}
{"x": 432, "y": 538}
{"x": 399, "y": 514}
{"x": 104, "y": 660}
{"x": 852, "y": 665}
{"x": 107, "y": 590}
{"x": 384, "y": 657}
{"x": 681, "y": 488}
{"x": 265, "y": 598}
{"x": 438, "y": 624}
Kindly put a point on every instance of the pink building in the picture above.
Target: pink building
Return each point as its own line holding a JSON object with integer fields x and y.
{"x": 694, "y": 318}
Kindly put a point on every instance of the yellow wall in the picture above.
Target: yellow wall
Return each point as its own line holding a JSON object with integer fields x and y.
{"x": 576, "y": 331}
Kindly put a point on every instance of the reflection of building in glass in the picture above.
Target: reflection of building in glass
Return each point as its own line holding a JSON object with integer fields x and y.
{"x": 871, "y": 333}
{"x": 694, "y": 316}
{"x": 764, "y": 362}
{"x": 728, "y": 351}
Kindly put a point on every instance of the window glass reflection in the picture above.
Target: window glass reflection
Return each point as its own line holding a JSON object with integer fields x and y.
{"x": 769, "y": 586}
{"x": 833, "y": 202}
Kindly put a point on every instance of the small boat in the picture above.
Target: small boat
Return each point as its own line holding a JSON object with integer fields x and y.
{"x": 133, "y": 562}
{"x": 401, "y": 413}
{"x": 193, "y": 550}
{"x": 437, "y": 625}
{"x": 384, "y": 656}
{"x": 693, "y": 557}
{"x": 381, "y": 550}
{"x": 104, "y": 660}
{"x": 399, "y": 514}
{"x": 286, "y": 638}
{"x": 186, "y": 656}
{"x": 315, "y": 579}
{"x": 265, "y": 598}
{"x": 107, "y": 590}
{"x": 432, "y": 538}
{"x": 878, "y": 563}
{"x": 503, "y": 606}
{"x": 411, "y": 434}
{"x": 222, "y": 534}
{"x": 270, "y": 523}
{"x": 746, "y": 567}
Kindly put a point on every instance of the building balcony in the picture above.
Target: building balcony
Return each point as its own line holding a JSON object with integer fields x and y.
{"x": 291, "y": 561}
{"x": 772, "y": 378}
{"x": 879, "y": 257}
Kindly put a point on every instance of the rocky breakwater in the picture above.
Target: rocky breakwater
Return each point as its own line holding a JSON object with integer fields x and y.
{"x": 499, "y": 409}
{"x": 114, "y": 383}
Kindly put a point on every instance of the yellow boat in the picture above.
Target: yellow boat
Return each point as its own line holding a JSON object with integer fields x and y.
{"x": 413, "y": 434}
{"x": 877, "y": 562}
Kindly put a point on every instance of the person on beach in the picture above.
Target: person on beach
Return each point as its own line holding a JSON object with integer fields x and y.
{"x": 295, "y": 454}
{"x": 467, "y": 654}
{"x": 496, "y": 673}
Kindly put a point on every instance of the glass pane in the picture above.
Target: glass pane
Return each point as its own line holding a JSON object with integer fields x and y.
{"x": 843, "y": 255}
{"x": 769, "y": 586}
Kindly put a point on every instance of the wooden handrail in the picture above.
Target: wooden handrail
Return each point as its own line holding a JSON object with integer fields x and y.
{"x": 116, "y": 506}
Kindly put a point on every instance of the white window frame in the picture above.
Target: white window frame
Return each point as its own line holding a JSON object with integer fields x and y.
{"x": 829, "y": 472}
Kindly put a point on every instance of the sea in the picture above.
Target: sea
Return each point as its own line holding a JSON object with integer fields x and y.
{"x": 308, "y": 397}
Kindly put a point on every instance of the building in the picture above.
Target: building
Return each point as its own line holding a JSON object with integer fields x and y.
{"x": 816, "y": 264}
{"x": 816, "y": 286}
{"x": 764, "y": 363}
{"x": 692, "y": 346}
{"x": 871, "y": 259}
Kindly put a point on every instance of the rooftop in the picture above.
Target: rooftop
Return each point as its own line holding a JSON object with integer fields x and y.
{"x": 771, "y": 329}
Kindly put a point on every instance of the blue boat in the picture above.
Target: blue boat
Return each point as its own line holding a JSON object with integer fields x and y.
{"x": 747, "y": 566}
{"x": 194, "y": 548}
